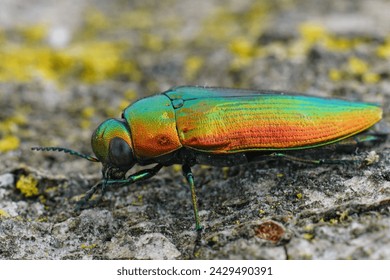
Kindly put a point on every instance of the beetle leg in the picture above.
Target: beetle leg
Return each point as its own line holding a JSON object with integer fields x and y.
{"x": 190, "y": 179}
{"x": 138, "y": 176}
{"x": 312, "y": 161}
{"x": 89, "y": 194}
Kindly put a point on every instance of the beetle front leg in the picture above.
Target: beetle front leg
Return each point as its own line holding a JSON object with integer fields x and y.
{"x": 83, "y": 201}
{"x": 138, "y": 176}
{"x": 190, "y": 179}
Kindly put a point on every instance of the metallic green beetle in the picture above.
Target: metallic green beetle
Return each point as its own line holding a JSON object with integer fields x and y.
{"x": 218, "y": 126}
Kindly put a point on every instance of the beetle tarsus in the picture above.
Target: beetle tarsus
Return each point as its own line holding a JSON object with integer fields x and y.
{"x": 190, "y": 179}
{"x": 85, "y": 202}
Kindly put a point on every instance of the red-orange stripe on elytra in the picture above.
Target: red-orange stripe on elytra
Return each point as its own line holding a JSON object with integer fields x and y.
{"x": 268, "y": 133}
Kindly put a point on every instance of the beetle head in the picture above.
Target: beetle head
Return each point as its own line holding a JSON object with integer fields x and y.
{"x": 111, "y": 143}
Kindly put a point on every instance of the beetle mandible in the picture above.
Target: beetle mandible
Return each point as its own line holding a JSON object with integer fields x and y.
{"x": 191, "y": 125}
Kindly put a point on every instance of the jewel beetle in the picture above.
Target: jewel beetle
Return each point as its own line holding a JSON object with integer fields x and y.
{"x": 191, "y": 125}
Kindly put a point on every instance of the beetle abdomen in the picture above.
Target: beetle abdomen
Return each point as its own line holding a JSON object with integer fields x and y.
{"x": 268, "y": 121}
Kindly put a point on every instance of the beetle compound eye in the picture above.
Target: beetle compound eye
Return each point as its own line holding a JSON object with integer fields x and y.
{"x": 120, "y": 153}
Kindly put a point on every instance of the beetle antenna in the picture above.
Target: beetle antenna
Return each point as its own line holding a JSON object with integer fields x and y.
{"x": 65, "y": 150}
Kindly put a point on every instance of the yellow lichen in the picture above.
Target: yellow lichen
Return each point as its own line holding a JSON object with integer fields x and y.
{"x": 336, "y": 43}
{"x": 43, "y": 219}
{"x": 223, "y": 25}
{"x": 225, "y": 171}
{"x": 84, "y": 124}
{"x": 88, "y": 112}
{"x": 244, "y": 52}
{"x": 42, "y": 199}
{"x": 138, "y": 202}
{"x": 130, "y": 94}
{"x": 96, "y": 19}
{"x": 218, "y": 27}
{"x": 312, "y": 32}
{"x": 4, "y": 214}
{"x": 176, "y": 167}
{"x": 9, "y": 143}
{"x": 152, "y": 42}
{"x": 383, "y": 51}
{"x": 34, "y": 33}
{"x": 215, "y": 239}
{"x": 197, "y": 254}
{"x": 90, "y": 62}
{"x": 95, "y": 22}
{"x": 299, "y": 195}
{"x": 371, "y": 78}
{"x": 344, "y": 216}
{"x": 335, "y": 75}
{"x": 357, "y": 66}
{"x": 308, "y": 228}
{"x": 88, "y": 247}
{"x": 192, "y": 66}
{"x": 123, "y": 105}
{"x": 240, "y": 63}
{"x": 242, "y": 47}
{"x": 308, "y": 236}
{"x": 27, "y": 185}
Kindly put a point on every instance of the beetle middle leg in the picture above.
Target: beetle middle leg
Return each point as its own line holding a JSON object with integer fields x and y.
{"x": 190, "y": 179}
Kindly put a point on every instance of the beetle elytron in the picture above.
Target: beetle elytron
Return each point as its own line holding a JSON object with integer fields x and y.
{"x": 217, "y": 126}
